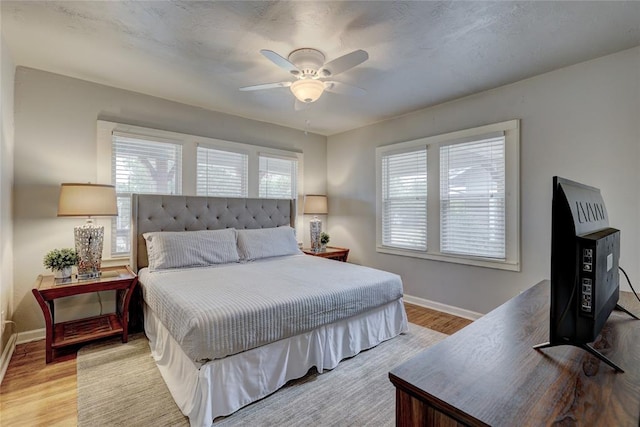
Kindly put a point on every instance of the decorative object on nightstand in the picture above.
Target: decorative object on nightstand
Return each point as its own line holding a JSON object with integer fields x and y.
{"x": 324, "y": 240}
{"x": 60, "y": 262}
{"x": 88, "y": 200}
{"x": 330, "y": 252}
{"x": 59, "y": 335}
{"x": 315, "y": 204}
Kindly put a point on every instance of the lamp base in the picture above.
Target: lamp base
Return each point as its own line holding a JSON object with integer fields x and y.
{"x": 315, "y": 226}
{"x": 89, "y": 240}
{"x": 90, "y": 275}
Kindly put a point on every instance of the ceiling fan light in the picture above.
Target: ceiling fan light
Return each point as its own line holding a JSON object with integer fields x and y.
{"x": 307, "y": 90}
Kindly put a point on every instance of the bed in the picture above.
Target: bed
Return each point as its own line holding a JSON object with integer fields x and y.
{"x": 233, "y": 310}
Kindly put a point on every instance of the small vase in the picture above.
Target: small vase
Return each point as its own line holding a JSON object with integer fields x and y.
{"x": 323, "y": 247}
{"x": 65, "y": 273}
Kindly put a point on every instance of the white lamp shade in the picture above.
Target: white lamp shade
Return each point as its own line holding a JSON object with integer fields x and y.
{"x": 87, "y": 200}
{"x": 315, "y": 204}
{"x": 307, "y": 90}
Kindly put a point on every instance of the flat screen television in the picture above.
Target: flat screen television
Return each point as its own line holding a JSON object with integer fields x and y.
{"x": 584, "y": 267}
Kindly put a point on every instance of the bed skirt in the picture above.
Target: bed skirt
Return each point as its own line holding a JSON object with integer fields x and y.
{"x": 222, "y": 386}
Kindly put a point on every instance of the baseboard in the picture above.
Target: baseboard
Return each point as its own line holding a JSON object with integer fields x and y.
{"x": 28, "y": 336}
{"x": 6, "y": 355}
{"x": 456, "y": 311}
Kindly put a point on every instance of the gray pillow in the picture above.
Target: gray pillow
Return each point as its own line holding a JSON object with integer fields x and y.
{"x": 177, "y": 249}
{"x": 267, "y": 242}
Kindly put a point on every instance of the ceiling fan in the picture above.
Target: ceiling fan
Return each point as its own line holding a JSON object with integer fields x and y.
{"x": 308, "y": 66}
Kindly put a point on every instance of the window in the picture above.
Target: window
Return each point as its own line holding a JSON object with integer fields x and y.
{"x": 452, "y": 197}
{"x": 277, "y": 177}
{"x": 140, "y": 166}
{"x": 472, "y": 198}
{"x": 404, "y": 200}
{"x": 221, "y": 173}
{"x": 143, "y": 160}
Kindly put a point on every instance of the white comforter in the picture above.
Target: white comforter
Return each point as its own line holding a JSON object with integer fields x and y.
{"x": 218, "y": 311}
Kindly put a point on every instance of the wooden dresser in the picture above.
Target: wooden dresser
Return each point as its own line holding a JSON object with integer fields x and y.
{"x": 489, "y": 374}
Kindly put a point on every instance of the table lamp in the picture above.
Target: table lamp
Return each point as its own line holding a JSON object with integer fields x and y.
{"x": 88, "y": 200}
{"x": 315, "y": 204}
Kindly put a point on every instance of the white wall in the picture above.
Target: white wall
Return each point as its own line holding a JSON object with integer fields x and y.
{"x": 55, "y": 142}
{"x": 581, "y": 122}
{"x": 7, "y": 76}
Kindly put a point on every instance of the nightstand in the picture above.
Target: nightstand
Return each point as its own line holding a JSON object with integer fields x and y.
{"x": 331, "y": 252}
{"x": 59, "y": 335}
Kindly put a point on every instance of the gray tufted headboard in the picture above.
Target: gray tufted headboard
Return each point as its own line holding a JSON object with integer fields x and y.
{"x": 152, "y": 212}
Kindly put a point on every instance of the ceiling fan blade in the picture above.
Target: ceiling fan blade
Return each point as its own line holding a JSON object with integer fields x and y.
{"x": 344, "y": 89}
{"x": 344, "y": 63}
{"x": 265, "y": 86}
{"x": 280, "y": 61}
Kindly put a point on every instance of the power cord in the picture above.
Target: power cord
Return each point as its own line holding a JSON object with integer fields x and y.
{"x": 100, "y": 301}
{"x": 629, "y": 282}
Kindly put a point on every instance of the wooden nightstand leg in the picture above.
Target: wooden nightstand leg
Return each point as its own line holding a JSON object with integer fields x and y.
{"x": 48, "y": 320}
{"x": 124, "y": 311}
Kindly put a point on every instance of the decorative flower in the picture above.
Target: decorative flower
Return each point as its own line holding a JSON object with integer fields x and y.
{"x": 324, "y": 238}
{"x": 58, "y": 259}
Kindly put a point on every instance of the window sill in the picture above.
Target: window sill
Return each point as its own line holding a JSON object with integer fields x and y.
{"x": 116, "y": 260}
{"x": 477, "y": 262}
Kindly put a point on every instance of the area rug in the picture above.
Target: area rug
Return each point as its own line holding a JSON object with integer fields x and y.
{"x": 119, "y": 385}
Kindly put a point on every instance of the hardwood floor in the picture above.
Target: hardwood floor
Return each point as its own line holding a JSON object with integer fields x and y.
{"x": 36, "y": 394}
{"x": 436, "y": 320}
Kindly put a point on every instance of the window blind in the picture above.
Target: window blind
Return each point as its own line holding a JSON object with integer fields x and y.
{"x": 140, "y": 166}
{"x": 472, "y": 198}
{"x": 277, "y": 178}
{"x": 404, "y": 200}
{"x": 221, "y": 173}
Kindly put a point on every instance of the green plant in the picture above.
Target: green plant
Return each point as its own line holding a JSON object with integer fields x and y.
{"x": 324, "y": 238}
{"x": 58, "y": 259}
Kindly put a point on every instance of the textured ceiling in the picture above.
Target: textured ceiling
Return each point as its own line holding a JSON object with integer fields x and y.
{"x": 420, "y": 53}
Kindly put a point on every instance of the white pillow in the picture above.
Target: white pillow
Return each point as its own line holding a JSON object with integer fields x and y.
{"x": 267, "y": 242}
{"x": 177, "y": 249}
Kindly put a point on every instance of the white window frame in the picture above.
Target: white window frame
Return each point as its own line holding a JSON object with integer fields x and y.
{"x": 105, "y": 130}
{"x": 404, "y": 150}
{"x": 254, "y": 151}
{"x": 152, "y": 140}
{"x": 511, "y": 131}
{"x": 289, "y": 157}
{"x": 218, "y": 148}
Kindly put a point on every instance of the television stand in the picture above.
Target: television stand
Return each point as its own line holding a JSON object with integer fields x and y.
{"x": 587, "y": 347}
{"x": 487, "y": 374}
